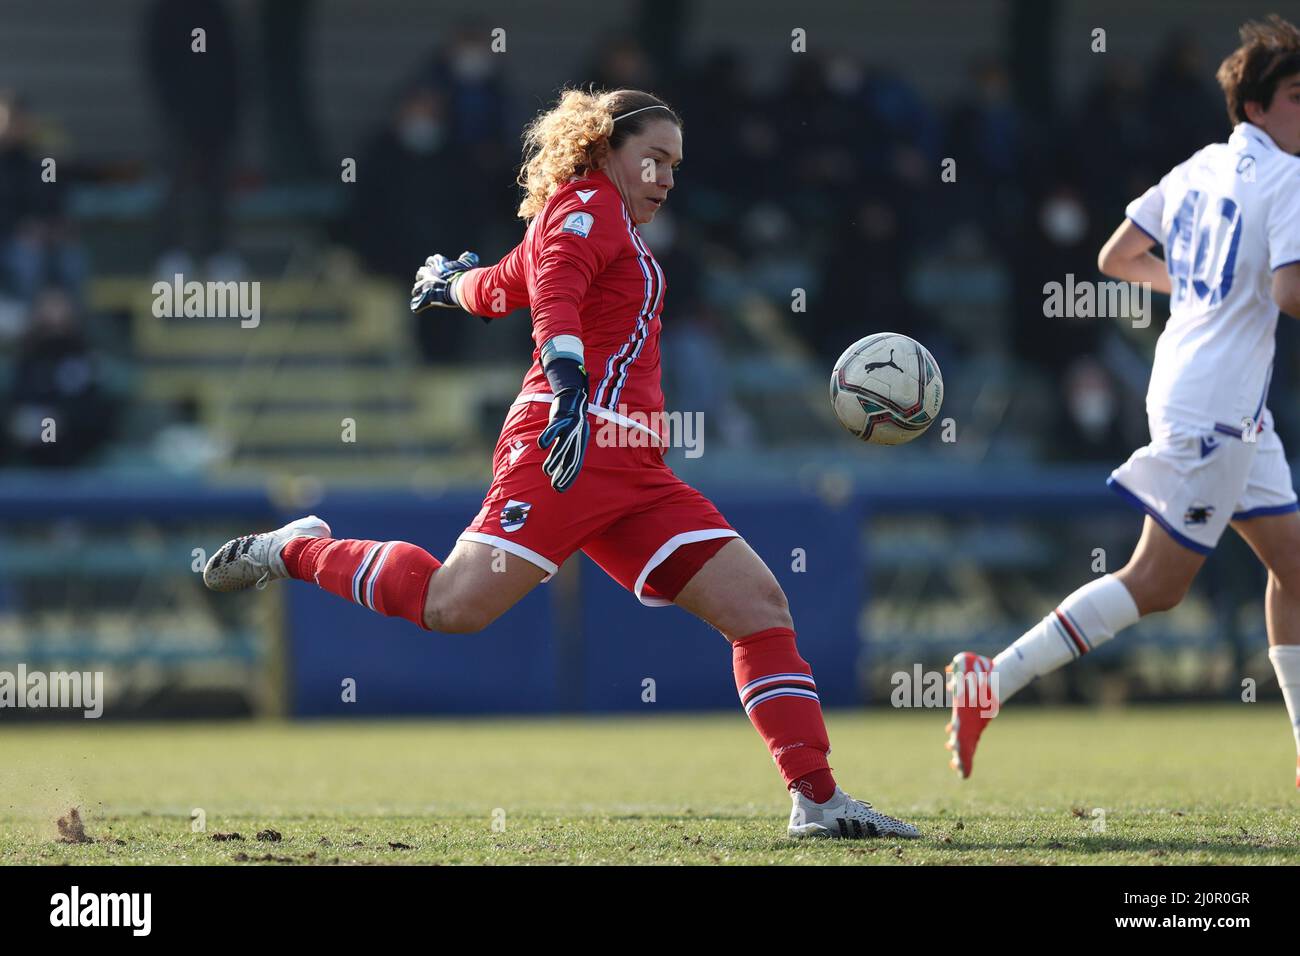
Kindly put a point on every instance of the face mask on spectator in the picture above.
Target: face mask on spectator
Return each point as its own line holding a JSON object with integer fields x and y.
{"x": 1092, "y": 406}
{"x": 844, "y": 76}
{"x": 421, "y": 135}
{"x": 471, "y": 65}
{"x": 1064, "y": 221}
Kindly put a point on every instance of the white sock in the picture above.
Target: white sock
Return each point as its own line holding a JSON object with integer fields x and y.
{"x": 1286, "y": 662}
{"x": 1088, "y": 618}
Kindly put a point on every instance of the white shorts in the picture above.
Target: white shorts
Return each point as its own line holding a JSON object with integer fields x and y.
{"x": 1193, "y": 483}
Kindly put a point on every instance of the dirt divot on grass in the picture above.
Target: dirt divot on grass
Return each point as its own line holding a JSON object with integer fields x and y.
{"x": 71, "y": 827}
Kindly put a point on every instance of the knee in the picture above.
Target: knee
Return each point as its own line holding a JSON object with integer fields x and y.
{"x": 1283, "y": 563}
{"x": 1153, "y": 593}
{"x": 1164, "y": 599}
{"x": 1285, "y": 578}
{"x": 768, "y": 608}
{"x": 779, "y": 608}
{"x": 454, "y": 617}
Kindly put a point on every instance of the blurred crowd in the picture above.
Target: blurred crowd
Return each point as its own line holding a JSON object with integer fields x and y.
{"x": 828, "y": 181}
{"x": 831, "y": 182}
{"x": 54, "y": 410}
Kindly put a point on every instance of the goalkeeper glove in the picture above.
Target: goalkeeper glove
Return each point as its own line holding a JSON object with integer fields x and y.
{"x": 569, "y": 430}
{"x": 435, "y": 281}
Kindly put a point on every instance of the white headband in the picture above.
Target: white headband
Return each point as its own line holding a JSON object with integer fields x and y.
{"x": 656, "y": 106}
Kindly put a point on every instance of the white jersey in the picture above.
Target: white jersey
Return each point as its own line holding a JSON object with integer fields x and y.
{"x": 1228, "y": 218}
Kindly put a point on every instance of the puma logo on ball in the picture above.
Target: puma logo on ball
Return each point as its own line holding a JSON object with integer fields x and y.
{"x": 872, "y": 366}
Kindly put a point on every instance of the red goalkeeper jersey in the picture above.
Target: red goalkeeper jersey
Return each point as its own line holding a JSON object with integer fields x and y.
{"x": 585, "y": 271}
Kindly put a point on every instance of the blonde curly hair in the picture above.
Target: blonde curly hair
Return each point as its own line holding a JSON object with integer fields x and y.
{"x": 566, "y": 139}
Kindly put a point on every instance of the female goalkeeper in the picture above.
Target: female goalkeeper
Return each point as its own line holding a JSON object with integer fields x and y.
{"x": 596, "y": 166}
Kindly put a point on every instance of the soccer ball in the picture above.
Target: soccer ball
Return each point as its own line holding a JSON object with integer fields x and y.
{"x": 886, "y": 389}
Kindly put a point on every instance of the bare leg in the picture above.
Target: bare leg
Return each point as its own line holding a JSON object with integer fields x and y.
{"x": 475, "y": 586}
{"x": 1160, "y": 570}
{"x": 736, "y": 593}
{"x": 1156, "y": 578}
{"x": 1276, "y": 540}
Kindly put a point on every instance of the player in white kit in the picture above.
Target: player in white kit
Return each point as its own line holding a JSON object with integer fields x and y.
{"x": 1229, "y": 221}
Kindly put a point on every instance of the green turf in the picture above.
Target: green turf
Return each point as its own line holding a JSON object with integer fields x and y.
{"x": 1177, "y": 785}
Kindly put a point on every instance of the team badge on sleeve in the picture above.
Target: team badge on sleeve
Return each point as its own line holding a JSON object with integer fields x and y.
{"x": 578, "y": 223}
{"x": 514, "y": 514}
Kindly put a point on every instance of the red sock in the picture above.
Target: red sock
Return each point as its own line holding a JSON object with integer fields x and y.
{"x": 391, "y": 577}
{"x": 778, "y": 693}
{"x": 818, "y": 785}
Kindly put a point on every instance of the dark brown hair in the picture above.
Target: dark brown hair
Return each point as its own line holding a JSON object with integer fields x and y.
{"x": 1269, "y": 51}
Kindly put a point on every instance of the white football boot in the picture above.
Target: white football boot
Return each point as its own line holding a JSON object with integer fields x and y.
{"x": 253, "y": 560}
{"x": 843, "y": 817}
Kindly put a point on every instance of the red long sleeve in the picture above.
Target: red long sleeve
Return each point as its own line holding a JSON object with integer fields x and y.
{"x": 496, "y": 290}
{"x": 586, "y": 272}
{"x": 577, "y": 236}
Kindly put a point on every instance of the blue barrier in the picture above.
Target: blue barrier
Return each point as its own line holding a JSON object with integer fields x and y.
{"x": 608, "y": 645}
{"x": 398, "y": 668}
{"x": 580, "y": 643}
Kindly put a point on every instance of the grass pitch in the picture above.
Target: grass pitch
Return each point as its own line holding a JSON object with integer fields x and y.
{"x": 1206, "y": 784}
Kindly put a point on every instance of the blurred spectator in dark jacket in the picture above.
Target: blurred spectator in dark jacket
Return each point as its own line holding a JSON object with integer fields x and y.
{"x": 815, "y": 159}
{"x": 59, "y": 415}
{"x": 863, "y": 282}
{"x": 293, "y": 135}
{"x": 416, "y": 195}
{"x": 897, "y": 115}
{"x": 467, "y": 78}
{"x": 475, "y": 88}
{"x": 1183, "y": 107}
{"x": 1058, "y": 245}
{"x": 1110, "y": 146}
{"x": 988, "y": 139}
{"x": 198, "y": 97}
{"x": 37, "y": 244}
{"x": 733, "y": 145}
{"x": 1089, "y": 423}
{"x": 900, "y": 139}
{"x": 623, "y": 64}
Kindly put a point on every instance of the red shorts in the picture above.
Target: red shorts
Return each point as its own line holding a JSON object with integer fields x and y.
{"x": 627, "y": 511}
